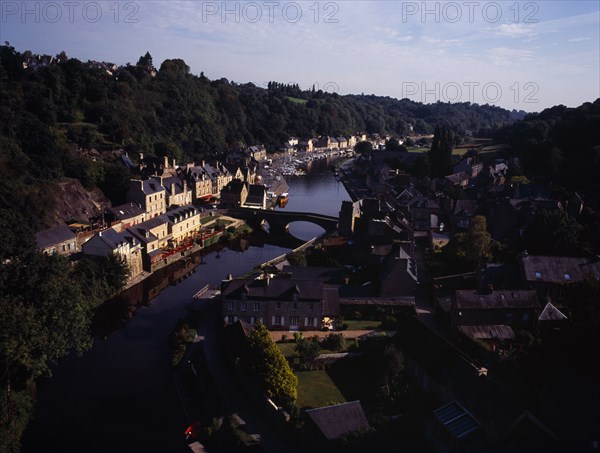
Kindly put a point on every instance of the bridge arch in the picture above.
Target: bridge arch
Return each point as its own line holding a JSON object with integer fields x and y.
{"x": 279, "y": 220}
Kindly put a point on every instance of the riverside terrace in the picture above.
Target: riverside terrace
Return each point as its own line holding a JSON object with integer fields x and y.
{"x": 279, "y": 220}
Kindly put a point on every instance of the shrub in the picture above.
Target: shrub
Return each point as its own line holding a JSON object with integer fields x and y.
{"x": 334, "y": 342}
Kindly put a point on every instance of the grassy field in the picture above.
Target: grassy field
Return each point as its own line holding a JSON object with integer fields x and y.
{"x": 316, "y": 389}
{"x": 287, "y": 349}
{"x": 362, "y": 324}
{"x": 418, "y": 150}
{"x": 296, "y": 100}
{"x": 207, "y": 219}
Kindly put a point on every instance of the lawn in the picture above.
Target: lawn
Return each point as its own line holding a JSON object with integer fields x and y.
{"x": 361, "y": 324}
{"x": 316, "y": 389}
{"x": 422, "y": 149}
{"x": 207, "y": 219}
{"x": 296, "y": 100}
{"x": 287, "y": 349}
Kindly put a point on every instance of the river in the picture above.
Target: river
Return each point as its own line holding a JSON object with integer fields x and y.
{"x": 120, "y": 395}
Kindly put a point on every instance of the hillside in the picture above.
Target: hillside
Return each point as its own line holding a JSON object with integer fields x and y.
{"x": 73, "y": 202}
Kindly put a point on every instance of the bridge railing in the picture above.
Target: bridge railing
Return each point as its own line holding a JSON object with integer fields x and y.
{"x": 280, "y": 258}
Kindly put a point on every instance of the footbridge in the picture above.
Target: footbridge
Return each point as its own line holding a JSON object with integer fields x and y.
{"x": 279, "y": 220}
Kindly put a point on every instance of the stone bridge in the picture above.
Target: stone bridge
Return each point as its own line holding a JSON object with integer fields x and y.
{"x": 280, "y": 220}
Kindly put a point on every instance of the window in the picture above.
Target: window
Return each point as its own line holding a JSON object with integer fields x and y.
{"x": 525, "y": 317}
{"x": 252, "y": 319}
{"x": 294, "y": 321}
{"x": 294, "y": 306}
{"x": 567, "y": 276}
{"x": 230, "y": 320}
{"x": 311, "y": 306}
{"x": 277, "y": 320}
{"x": 243, "y": 306}
{"x": 244, "y": 295}
{"x": 295, "y": 296}
{"x": 229, "y": 305}
{"x": 256, "y": 306}
{"x": 278, "y": 305}
{"x": 538, "y": 275}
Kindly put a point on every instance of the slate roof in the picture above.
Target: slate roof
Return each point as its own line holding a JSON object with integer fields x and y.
{"x": 180, "y": 213}
{"x": 559, "y": 269}
{"x": 468, "y": 299}
{"x": 151, "y": 186}
{"x": 235, "y": 186}
{"x": 335, "y": 421}
{"x": 551, "y": 313}
{"x": 326, "y": 274}
{"x": 256, "y": 193}
{"x": 465, "y": 207}
{"x": 53, "y": 236}
{"x": 488, "y": 332}
{"x": 274, "y": 288}
{"x": 113, "y": 239}
{"x": 153, "y": 222}
{"x": 126, "y": 211}
{"x": 179, "y": 184}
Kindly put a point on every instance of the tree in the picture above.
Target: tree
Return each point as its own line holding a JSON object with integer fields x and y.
{"x": 363, "y": 147}
{"x": 270, "y": 367}
{"x": 44, "y": 315}
{"x": 394, "y": 145}
{"x": 553, "y": 233}
{"x": 145, "y": 61}
{"x": 478, "y": 240}
{"x": 307, "y": 349}
{"x": 440, "y": 154}
{"x": 334, "y": 342}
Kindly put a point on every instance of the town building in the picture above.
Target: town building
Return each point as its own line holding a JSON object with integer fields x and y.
{"x": 113, "y": 242}
{"x": 551, "y": 275}
{"x": 150, "y": 194}
{"x": 280, "y": 302}
{"x": 59, "y": 240}
{"x": 127, "y": 214}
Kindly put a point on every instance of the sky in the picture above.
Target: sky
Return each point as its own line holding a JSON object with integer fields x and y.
{"x": 517, "y": 55}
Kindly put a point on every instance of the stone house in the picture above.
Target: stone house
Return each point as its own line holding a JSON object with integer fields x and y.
{"x": 513, "y": 308}
{"x": 124, "y": 244}
{"x": 234, "y": 194}
{"x": 149, "y": 194}
{"x": 127, "y": 214}
{"x": 551, "y": 275}
{"x": 57, "y": 240}
{"x": 177, "y": 191}
{"x": 281, "y": 303}
{"x": 184, "y": 223}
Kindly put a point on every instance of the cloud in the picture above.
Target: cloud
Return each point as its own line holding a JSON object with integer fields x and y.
{"x": 516, "y": 30}
{"x": 505, "y": 56}
{"x": 580, "y": 39}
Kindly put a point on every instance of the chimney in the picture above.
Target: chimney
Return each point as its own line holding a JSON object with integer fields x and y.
{"x": 172, "y": 188}
{"x": 141, "y": 157}
{"x": 174, "y": 163}
{"x": 202, "y": 163}
{"x": 166, "y": 163}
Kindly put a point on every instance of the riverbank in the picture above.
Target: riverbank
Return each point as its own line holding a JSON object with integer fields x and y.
{"x": 205, "y": 242}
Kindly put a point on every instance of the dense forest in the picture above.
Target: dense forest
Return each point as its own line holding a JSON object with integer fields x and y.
{"x": 559, "y": 145}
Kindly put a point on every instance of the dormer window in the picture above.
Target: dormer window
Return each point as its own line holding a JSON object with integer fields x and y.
{"x": 567, "y": 277}
{"x": 295, "y": 296}
{"x": 244, "y": 295}
{"x": 538, "y": 275}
